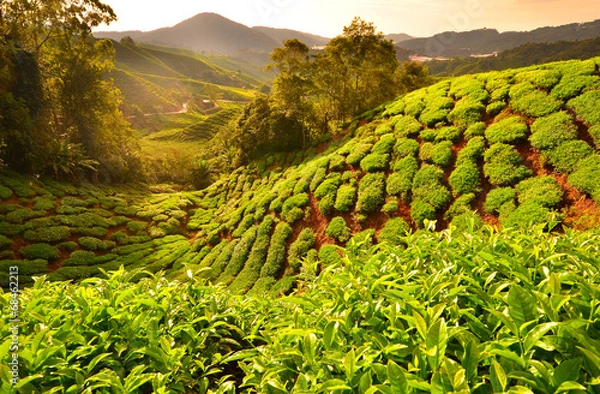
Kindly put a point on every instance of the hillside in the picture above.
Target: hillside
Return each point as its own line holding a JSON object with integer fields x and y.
{"x": 485, "y": 41}
{"x": 522, "y": 56}
{"x": 158, "y": 79}
{"x": 518, "y": 147}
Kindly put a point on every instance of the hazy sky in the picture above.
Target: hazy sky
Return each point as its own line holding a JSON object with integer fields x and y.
{"x": 328, "y": 17}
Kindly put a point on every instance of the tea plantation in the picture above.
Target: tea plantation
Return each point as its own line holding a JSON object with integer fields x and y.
{"x": 518, "y": 147}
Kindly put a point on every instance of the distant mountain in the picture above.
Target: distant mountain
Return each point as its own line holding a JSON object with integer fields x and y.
{"x": 484, "y": 41}
{"x": 398, "y": 38}
{"x": 211, "y": 33}
{"x": 280, "y": 35}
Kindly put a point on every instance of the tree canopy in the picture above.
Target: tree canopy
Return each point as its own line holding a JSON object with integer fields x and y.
{"x": 60, "y": 114}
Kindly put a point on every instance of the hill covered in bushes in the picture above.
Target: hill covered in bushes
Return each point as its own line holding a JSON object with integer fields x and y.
{"x": 517, "y": 147}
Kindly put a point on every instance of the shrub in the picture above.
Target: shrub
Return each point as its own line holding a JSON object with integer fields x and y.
{"x": 41, "y": 251}
{"x": 390, "y": 207}
{"x": 346, "y": 196}
{"x": 371, "y": 193}
{"x": 460, "y": 206}
{"x": 543, "y": 191}
{"x": 295, "y": 202}
{"x": 84, "y": 220}
{"x": 276, "y": 253}
{"x": 359, "y": 153}
{"x": 544, "y": 79}
{"x": 240, "y": 253}
{"x": 420, "y": 211}
{"x": 338, "y": 230}
{"x": 20, "y": 216}
{"x": 319, "y": 177}
{"x": 92, "y": 244}
{"x": 426, "y": 152}
{"x": 406, "y": 147}
{"x": 465, "y": 179}
{"x": 495, "y": 108}
{"x": 497, "y": 198}
{"x": 414, "y": 108}
{"x": 434, "y": 116}
{"x": 428, "y": 135}
{"x": 594, "y": 132}
{"x": 385, "y": 145}
{"x": 337, "y": 163}
{"x": 300, "y": 247}
{"x": 395, "y": 108}
{"x": 449, "y": 133}
{"x": 475, "y": 130}
{"x": 43, "y": 204}
{"x": 466, "y": 112}
{"x": 394, "y": 232}
{"x": 573, "y": 85}
{"x": 5, "y": 193}
{"x": 508, "y": 130}
{"x": 407, "y": 126}
{"x": 587, "y": 177}
{"x": 5, "y": 242}
{"x": 442, "y": 154}
{"x": 586, "y": 107}
{"x": 80, "y": 257}
{"x": 472, "y": 152}
{"x": 360, "y": 243}
{"x": 329, "y": 254}
{"x": 536, "y": 103}
{"x": 528, "y": 215}
{"x": 327, "y": 203}
{"x": 375, "y": 162}
{"x": 428, "y": 187}
{"x": 50, "y": 235}
{"x": 503, "y": 165}
{"x": 137, "y": 227}
{"x": 552, "y": 130}
{"x": 567, "y": 156}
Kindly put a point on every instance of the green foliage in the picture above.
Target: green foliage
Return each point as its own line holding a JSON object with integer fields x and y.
{"x": 20, "y": 216}
{"x": 532, "y": 102}
{"x": 50, "y": 235}
{"x": 573, "y": 85}
{"x": 475, "y": 130}
{"x": 594, "y": 132}
{"x": 460, "y": 206}
{"x": 375, "y": 162}
{"x": 292, "y": 208}
{"x": 449, "y": 133}
{"x": 407, "y": 126}
{"x": 406, "y": 147}
{"x": 371, "y": 193}
{"x": 400, "y": 182}
{"x": 466, "y": 113}
{"x": 300, "y": 247}
{"x": 551, "y": 131}
{"x": 530, "y": 214}
{"x": 472, "y": 152}
{"x": 503, "y": 165}
{"x": 93, "y": 244}
{"x": 329, "y": 255}
{"x": 501, "y": 200}
{"x": 358, "y": 153}
{"x": 276, "y": 254}
{"x": 507, "y": 130}
{"x": 587, "y": 177}
{"x": 428, "y": 187}
{"x": 394, "y": 232}
{"x": 40, "y": 251}
{"x": 543, "y": 191}
{"x": 586, "y": 107}
{"x": 495, "y": 108}
{"x": 442, "y": 154}
{"x": 345, "y": 198}
{"x": 465, "y": 178}
{"x": 567, "y": 156}
{"x": 338, "y": 230}
{"x": 385, "y": 145}
{"x": 421, "y": 210}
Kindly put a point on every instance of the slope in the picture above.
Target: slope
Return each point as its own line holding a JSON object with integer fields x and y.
{"x": 483, "y": 41}
{"x": 518, "y": 147}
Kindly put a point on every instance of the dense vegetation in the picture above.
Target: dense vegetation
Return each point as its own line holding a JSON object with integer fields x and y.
{"x": 525, "y": 55}
{"x": 52, "y": 76}
{"x": 472, "y": 312}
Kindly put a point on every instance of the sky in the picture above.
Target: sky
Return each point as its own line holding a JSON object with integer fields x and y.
{"x": 419, "y": 18}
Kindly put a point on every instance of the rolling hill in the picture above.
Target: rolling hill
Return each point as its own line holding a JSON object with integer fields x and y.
{"x": 212, "y": 34}
{"x": 485, "y": 41}
{"x": 518, "y": 147}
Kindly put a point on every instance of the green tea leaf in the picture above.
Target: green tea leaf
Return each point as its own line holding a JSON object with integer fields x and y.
{"x": 521, "y": 305}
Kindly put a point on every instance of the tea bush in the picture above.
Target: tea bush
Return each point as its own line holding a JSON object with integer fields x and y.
{"x": 551, "y": 131}
{"x": 394, "y": 232}
{"x": 371, "y": 193}
{"x": 507, "y": 130}
{"x": 338, "y": 230}
{"x": 544, "y": 191}
{"x": 503, "y": 165}
{"x": 465, "y": 179}
{"x": 567, "y": 156}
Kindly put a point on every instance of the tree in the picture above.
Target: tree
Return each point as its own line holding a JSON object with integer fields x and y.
{"x": 357, "y": 71}
{"x": 64, "y": 92}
